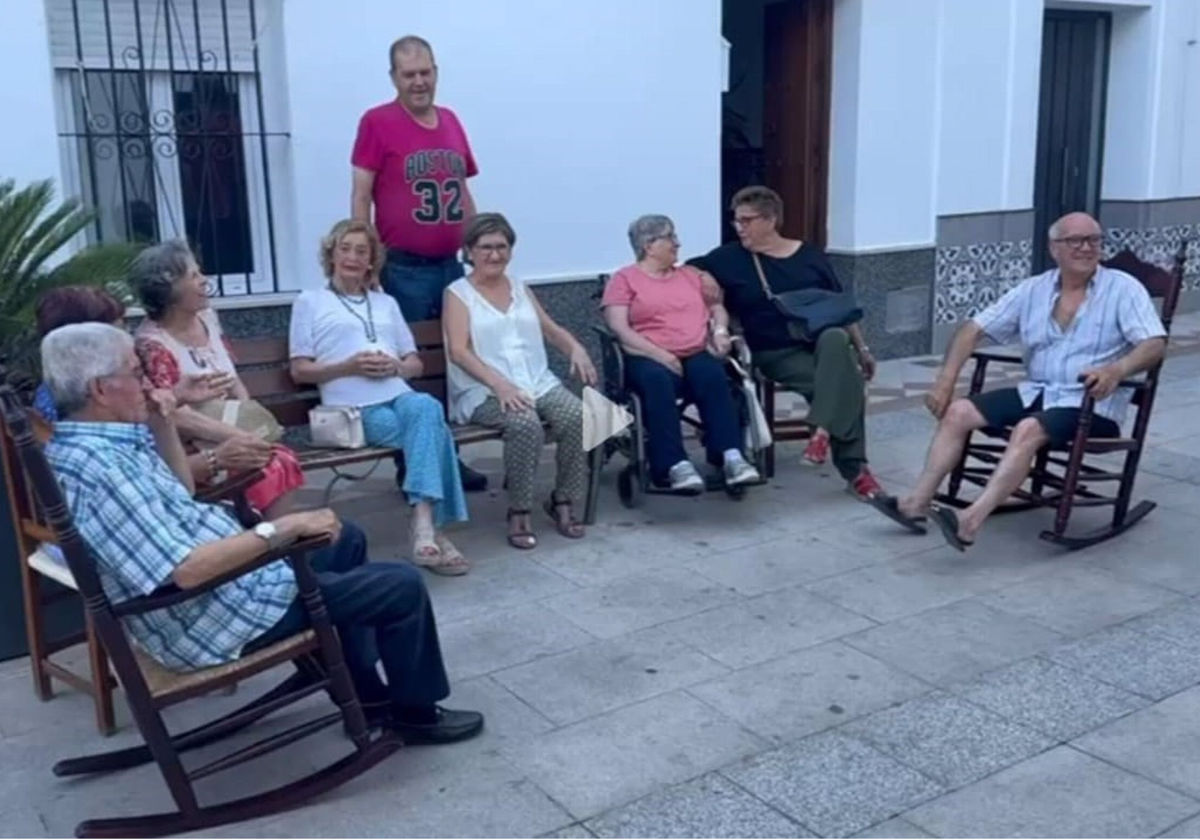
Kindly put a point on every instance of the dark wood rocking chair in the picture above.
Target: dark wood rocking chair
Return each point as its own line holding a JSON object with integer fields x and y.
{"x": 1062, "y": 478}
{"x": 149, "y": 688}
{"x": 45, "y": 582}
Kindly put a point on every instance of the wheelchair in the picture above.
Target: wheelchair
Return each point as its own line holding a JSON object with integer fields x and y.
{"x": 633, "y": 481}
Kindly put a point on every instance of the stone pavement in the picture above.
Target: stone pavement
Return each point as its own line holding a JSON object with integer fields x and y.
{"x": 790, "y": 665}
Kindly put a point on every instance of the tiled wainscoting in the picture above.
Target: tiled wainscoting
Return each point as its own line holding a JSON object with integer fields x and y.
{"x": 980, "y": 256}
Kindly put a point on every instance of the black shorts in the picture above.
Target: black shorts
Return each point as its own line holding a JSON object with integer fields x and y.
{"x": 1003, "y": 407}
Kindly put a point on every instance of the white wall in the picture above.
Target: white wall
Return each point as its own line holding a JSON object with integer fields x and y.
{"x": 582, "y": 115}
{"x": 884, "y": 143}
{"x": 29, "y": 148}
{"x": 990, "y": 61}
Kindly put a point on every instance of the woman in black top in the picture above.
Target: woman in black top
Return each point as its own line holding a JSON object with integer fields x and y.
{"x": 831, "y": 374}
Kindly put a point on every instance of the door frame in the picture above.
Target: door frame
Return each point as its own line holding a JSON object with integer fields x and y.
{"x": 1044, "y": 209}
{"x": 797, "y": 101}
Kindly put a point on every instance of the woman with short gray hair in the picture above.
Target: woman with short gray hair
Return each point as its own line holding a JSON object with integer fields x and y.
{"x": 675, "y": 342}
{"x": 181, "y": 336}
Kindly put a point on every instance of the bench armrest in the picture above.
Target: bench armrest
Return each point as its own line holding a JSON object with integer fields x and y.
{"x": 169, "y": 595}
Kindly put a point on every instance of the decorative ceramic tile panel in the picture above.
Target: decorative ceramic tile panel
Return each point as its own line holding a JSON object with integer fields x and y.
{"x": 1159, "y": 245}
{"x": 969, "y": 278}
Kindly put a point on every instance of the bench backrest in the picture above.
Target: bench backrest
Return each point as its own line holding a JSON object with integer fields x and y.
{"x": 263, "y": 367}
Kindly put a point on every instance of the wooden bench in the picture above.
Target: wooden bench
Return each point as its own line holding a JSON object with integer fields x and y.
{"x": 263, "y": 365}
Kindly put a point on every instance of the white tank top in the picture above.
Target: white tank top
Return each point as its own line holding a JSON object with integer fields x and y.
{"x": 511, "y": 343}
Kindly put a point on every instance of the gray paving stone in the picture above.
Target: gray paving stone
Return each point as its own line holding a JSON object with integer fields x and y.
{"x": 1144, "y": 664}
{"x": 894, "y": 828}
{"x": 643, "y": 600}
{"x": 710, "y": 806}
{"x": 766, "y": 627}
{"x": 1047, "y": 697}
{"x": 1188, "y": 829}
{"x": 593, "y": 766}
{"x": 1077, "y": 601}
{"x": 948, "y": 739}
{"x": 607, "y": 675}
{"x": 955, "y": 642}
{"x": 808, "y": 691}
{"x": 1060, "y": 793}
{"x": 833, "y": 784}
{"x": 476, "y": 646}
{"x": 776, "y": 564}
{"x": 506, "y": 715}
{"x": 904, "y": 587}
{"x": 495, "y": 584}
{"x": 1161, "y": 742}
{"x": 875, "y": 538}
{"x": 574, "y": 831}
{"x": 1162, "y": 561}
{"x": 1179, "y": 623}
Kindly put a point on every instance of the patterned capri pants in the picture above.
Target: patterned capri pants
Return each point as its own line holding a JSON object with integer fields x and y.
{"x": 523, "y": 441}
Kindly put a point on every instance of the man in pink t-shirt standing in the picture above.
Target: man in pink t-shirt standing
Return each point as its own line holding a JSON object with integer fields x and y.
{"x": 411, "y": 161}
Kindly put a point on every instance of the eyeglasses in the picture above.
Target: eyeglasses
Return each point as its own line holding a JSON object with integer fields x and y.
{"x": 489, "y": 248}
{"x": 1077, "y": 243}
{"x": 742, "y": 221}
{"x": 669, "y": 237}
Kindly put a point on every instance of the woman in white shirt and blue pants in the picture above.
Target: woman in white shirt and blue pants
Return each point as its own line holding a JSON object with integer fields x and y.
{"x": 351, "y": 341}
{"x": 498, "y": 376}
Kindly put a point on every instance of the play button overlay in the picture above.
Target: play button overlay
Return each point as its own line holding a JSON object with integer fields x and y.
{"x": 602, "y": 418}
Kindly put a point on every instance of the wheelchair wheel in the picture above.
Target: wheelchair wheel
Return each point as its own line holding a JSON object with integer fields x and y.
{"x": 737, "y": 492}
{"x": 629, "y": 486}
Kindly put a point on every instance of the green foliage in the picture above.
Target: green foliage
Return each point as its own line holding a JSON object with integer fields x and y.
{"x": 32, "y": 233}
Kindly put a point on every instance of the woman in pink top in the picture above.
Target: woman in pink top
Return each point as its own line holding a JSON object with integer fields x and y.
{"x": 675, "y": 344}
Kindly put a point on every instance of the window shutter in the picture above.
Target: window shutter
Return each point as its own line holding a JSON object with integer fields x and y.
{"x": 198, "y": 33}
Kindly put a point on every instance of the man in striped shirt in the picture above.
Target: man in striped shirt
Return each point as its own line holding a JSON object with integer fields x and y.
{"x": 126, "y": 481}
{"x": 1084, "y": 328}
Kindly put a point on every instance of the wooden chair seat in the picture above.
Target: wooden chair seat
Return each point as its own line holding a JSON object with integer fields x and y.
{"x": 170, "y": 686}
{"x": 44, "y": 563}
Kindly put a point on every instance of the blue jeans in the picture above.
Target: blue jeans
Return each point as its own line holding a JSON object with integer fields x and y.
{"x": 418, "y": 288}
{"x": 415, "y": 423}
{"x": 382, "y": 612}
{"x": 705, "y": 384}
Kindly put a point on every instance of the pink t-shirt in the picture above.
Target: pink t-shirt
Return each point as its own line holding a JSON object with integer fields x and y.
{"x": 420, "y": 178}
{"x": 670, "y": 311}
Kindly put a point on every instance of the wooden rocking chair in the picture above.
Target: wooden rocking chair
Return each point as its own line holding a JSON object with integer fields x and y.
{"x": 46, "y": 582}
{"x": 149, "y": 688}
{"x": 1062, "y": 478}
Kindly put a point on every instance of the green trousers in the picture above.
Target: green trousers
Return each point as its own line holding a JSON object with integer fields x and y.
{"x": 830, "y": 379}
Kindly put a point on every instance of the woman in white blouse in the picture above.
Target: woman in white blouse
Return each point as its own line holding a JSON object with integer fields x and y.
{"x": 351, "y": 341}
{"x": 496, "y": 334}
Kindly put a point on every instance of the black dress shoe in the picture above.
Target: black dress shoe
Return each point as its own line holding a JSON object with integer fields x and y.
{"x": 473, "y": 481}
{"x": 451, "y": 725}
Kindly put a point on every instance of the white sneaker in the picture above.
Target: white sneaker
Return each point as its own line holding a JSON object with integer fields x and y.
{"x": 740, "y": 471}
{"x": 684, "y": 477}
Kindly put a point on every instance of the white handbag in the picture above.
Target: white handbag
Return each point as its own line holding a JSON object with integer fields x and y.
{"x": 758, "y": 429}
{"x": 336, "y": 427}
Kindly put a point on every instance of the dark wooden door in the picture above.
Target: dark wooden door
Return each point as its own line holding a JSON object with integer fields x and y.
{"x": 1070, "y": 147}
{"x": 797, "y": 71}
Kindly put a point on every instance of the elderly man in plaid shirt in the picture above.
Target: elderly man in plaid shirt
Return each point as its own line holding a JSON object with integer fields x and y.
{"x": 125, "y": 478}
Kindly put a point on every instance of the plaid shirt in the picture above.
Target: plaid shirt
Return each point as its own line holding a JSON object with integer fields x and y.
{"x": 140, "y": 523}
{"x": 1116, "y": 315}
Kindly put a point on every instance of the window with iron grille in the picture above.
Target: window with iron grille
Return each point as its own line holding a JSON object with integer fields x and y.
{"x": 163, "y": 129}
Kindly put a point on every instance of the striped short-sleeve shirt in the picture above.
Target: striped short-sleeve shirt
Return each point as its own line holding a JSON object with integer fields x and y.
{"x": 1116, "y": 315}
{"x": 140, "y": 523}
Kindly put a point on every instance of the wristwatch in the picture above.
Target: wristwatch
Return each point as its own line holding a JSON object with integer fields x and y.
{"x": 268, "y": 533}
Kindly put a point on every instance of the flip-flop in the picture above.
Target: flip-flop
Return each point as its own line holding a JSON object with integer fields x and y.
{"x": 889, "y": 506}
{"x": 946, "y": 519}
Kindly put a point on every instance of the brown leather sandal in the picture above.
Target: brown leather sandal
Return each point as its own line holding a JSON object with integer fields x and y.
{"x": 522, "y": 538}
{"x": 564, "y": 519}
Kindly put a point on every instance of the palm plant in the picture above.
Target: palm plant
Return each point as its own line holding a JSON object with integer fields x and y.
{"x": 32, "y": 233}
